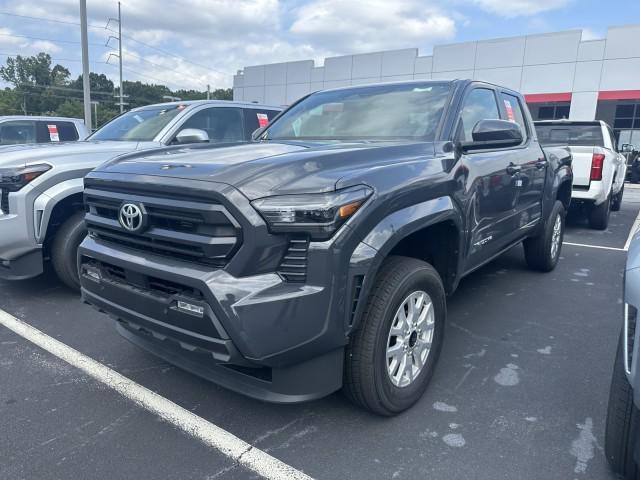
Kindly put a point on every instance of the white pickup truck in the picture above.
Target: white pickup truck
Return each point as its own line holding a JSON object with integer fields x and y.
{"x": 599, "y": 170}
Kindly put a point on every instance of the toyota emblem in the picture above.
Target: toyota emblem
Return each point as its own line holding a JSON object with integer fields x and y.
{"x": 131, "y": 217}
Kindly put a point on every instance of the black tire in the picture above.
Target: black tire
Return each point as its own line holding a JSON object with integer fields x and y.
{"x": 622, "y": 423}
{"x": 64, "y": 250}
{"x": 367, "y": 382}
{"x": 617, "y": 200}
{"x": 538, "y": 250}
{"x": 599, "y": 215}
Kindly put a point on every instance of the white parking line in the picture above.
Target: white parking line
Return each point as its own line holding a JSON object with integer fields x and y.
{"x": 595, "y": 246}
{"x": 211, "y": 435}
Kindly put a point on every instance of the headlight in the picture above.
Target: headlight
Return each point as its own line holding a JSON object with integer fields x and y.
{"x": 13, "y": 179}
{"x": 318, "y": 214}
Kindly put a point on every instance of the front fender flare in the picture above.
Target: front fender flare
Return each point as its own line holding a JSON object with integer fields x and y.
{"x": 368, "y": 256}
{"x": 47, "y": 200}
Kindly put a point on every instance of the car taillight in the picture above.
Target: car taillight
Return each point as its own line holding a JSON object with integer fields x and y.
{"x": 596, "y": 166}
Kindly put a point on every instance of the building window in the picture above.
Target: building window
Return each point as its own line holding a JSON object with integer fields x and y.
{"x": 549, "y": 111}
{"x": 624, "y": 117}
{"x": 626, "y": 124}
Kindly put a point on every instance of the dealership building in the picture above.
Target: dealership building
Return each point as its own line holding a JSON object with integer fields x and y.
{"x": 560, "y": 74}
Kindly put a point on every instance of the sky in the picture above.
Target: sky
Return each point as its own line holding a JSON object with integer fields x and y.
{"x": 192, "y": 43}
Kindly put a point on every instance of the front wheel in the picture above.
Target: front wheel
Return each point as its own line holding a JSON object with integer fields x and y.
{"x": 391, "y": 357}
{"x": 622, "y": 422}
{"x": 543, "y": 251}
{"x": 64, "y": 250}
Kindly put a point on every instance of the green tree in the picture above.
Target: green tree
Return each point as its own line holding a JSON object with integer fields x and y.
{"x": 70, "y": 108}
{"x": 36, "y": 81}
{"x": 43, "y": 88}
{"x": 10, "y": 102}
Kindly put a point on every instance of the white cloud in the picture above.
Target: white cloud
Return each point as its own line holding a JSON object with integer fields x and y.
{"x": 45, "y": 46}
{"x": 360, "y": 25}
{"x": 212, "y": 39}
{"x": 516, "y": 8}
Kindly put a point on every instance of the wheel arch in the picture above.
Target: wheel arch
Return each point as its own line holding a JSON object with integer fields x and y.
{"x": 430, "y": 231}
{"x": 55, "y": 206}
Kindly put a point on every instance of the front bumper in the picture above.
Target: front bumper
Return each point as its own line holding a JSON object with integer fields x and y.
{"x": 20, "y": 255}
{"x": 258, "y": 335}
{"x": 27, "y": 266}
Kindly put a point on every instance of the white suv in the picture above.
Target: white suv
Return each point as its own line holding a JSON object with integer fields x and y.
{"x": 599, "y": 170}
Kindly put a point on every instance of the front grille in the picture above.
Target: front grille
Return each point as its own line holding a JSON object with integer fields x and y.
{"x": 4, "y": 201}
{"x": 157, "y": 286}
{"x": 293, "y": 267}
{"x": 184, "y": 229}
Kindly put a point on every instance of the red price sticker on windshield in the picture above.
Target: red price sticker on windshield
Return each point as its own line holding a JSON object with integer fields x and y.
{"x": 510, "y": 116}
{"x": 53, "y": 133}
{"x": 263, "y": 120}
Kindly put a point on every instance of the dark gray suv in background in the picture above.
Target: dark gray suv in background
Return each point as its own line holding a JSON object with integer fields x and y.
{"x": 321, "y": 255}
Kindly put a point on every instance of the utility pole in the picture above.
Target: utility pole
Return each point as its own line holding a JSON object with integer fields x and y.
{"x": 208, "y": 92}
{"x": 121, "y": 96}
{"x": 95, "y": 104}
{"x": 86, "y": 80}
{"x": 120, "y": 58}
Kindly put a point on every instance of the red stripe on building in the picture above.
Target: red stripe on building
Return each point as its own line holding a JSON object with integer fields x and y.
{"x": 619, "y": 95}
{"x": 548, "y": 97}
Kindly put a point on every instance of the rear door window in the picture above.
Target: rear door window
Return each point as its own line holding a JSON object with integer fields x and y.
{"x": 56, "y": 131}
{"x": 256, "y": 118}
{"x": 570, "y": 134}
{"x": 17, "y": 131}
{"x": 513, "y": 112}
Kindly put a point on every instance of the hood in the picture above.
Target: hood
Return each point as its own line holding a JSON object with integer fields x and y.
{"x": 270, "y": 168}
{"x": 99, "y": 151}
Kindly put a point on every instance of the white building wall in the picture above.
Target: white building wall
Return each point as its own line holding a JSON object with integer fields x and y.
{"x": 551, "y": 63}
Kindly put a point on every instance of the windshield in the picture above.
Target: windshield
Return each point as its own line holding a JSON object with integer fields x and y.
{"x": 570, "y": 134}
{"x": 139, "y": 125}
{"x": 411, "y": 111}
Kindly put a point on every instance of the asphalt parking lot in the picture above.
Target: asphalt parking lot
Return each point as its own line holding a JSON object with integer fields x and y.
{"x": 520, "y": 390}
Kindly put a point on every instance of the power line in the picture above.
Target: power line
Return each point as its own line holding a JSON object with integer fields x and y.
{"x": 55, "y": 59}
{"x": 65, "y": 22}
{"x": 171, "y": 54}
{"x": 51, "y": 20}
{"x": 144, "y": 75}
{"x": 53, "y": 87}
{"x": 51, "y": 95}
{"x": 163, "y": 67}
{"x": 49, "y": 39}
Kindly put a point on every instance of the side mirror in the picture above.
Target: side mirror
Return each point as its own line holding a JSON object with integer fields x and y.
{"x": 626, "y": 148}
{"x": 494, "y": 134}
{"x": 192, "y": 135}
{"x": 257, "y": 132}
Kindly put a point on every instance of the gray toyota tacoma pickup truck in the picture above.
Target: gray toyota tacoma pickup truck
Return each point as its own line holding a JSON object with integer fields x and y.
{"x": 41, "y": 211}
{"x": 320, "y": 256}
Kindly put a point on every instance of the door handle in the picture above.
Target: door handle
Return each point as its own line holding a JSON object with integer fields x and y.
{"x": 540, "y": 164}
{"x": 513, "y": 169}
